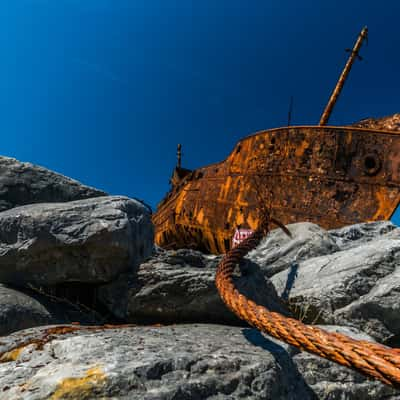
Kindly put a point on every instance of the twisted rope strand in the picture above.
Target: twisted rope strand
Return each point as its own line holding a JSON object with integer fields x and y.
{"x": 371, "y": 359}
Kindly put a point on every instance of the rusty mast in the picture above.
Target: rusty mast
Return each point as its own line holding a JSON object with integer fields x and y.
{"x": 335, "y": 94}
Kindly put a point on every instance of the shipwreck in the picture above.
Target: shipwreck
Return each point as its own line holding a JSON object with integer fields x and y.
{"x": 330, "y": 175}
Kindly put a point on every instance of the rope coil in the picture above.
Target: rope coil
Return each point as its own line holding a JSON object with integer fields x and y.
{"x": 371, "y": 359}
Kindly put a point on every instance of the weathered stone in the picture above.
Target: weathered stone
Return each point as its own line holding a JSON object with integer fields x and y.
{"x": 179, "y": 286}
{"x": 92, "y": 241}
{"x": 171, "y": 362}
{"x": 278, "y": 252}
{"x": 21, "y": 308}
{"x": 358, "y": 234}
{"x": 356, "y": 287}
{"x": 331, "y": 381}
{"x": 24, "y": 183}
{"x": 378, "y": 311}
{"x": 114, "y": 296}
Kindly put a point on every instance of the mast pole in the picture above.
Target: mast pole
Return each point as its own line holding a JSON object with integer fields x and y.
{"x": 335, "y": 94}
{"x": 179, "y": 156}
{"x": 290, "y": 111}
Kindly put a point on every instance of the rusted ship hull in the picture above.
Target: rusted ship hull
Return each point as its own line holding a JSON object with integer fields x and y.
{"x": 332, "y": 176}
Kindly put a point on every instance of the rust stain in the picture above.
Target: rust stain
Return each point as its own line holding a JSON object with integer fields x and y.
{"x": 50, "y": 334}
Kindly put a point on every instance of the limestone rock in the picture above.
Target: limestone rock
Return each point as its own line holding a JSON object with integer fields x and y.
{"x": 357, "y": 287}
{"x": 179, "y": 286}
{"x": 358, "y": 234}
{"x": 91, "y": 241}
{"x": 24, "y": 183}
{"x": 329, "y": 380}
{"x": 114, "y": 296}
{"x": 278, "y": 252}
{"x": 21, "y": 308}
{"x": 170, "y": 362}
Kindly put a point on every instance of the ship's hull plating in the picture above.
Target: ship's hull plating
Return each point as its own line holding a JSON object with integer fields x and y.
{"x": 332, "y": 176}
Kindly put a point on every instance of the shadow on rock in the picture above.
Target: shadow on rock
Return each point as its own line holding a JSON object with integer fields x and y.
{"x": 282, "y": 355}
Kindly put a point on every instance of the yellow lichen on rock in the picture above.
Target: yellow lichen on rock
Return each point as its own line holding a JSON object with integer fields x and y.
{"x": 11, "y": 355}
{"x": 80, "y": 388}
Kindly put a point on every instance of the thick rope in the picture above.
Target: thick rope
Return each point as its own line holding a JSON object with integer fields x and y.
{"x": 371, "y": 359}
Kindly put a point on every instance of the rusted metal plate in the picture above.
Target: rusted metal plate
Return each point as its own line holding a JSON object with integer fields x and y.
{"x": 332, "y": 176}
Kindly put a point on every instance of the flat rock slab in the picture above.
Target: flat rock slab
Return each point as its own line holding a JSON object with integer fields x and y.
{"x": 25, "y": 183}
{"x": 90, "y": 241}
{"x": 357, "y": 287}
{"x": 168, "y": 362}
{"x": 21, "y": 309}
{"x": 179, "y": 286}
{"x": 358, "y": 234}
{"x": 278, "y": 251}
{"x": 331, "y": 381}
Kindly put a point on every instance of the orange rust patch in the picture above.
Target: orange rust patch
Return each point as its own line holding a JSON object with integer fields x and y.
{"x": 49, "y": 334}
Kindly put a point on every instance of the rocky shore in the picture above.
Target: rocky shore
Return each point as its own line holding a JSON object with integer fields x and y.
{"x": 90, "y": 308}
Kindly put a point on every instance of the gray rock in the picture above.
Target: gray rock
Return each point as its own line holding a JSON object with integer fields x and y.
{"x": 358, "y": 234}
{"x": 173, "y": 362}
{"x": 378, "y": 311}
{"x": 180, "y": 286}
{"x": 278, "y": 252}
{"x": 356, "y": 287}
{"x": 114, "y": 296}
{"x": 91, "y": 241}
{"x": 331, "y": 381}
{"x": 196, "y": 361}
{"x": 24, "y": 183}
{"x": 21, "y": 308}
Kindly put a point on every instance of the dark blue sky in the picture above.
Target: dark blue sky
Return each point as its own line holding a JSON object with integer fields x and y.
{"x": 103, "y": 90}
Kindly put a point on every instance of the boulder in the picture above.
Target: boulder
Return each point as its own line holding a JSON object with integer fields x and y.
{"x": 358, "y": 234}
{"x": 278, "y": 251}
{"x": 357, "y": 287}
{"x": 196, "y": 361}
{"x": 114, "y": 296}
{"x": 88, "y": 241}
{"x": 22, "y": 308}
{"x": 331, "y": 381}
{"x": 178, "y": 286}
{"x": 24, "y": 183}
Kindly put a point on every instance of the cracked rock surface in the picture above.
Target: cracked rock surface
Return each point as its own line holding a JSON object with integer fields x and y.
{"x": 25, "y": 183}
{"x": 90, "y": 241}
{"x": 278, "y": 252}
{"x": 196, "y": 361}
{"x": 356, "y": 286}
{"x": 21, "y": 308}
{"x": 180, "y": 286}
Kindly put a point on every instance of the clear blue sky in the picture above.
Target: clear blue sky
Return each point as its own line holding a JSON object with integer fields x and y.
{"x": 103, "y": 90}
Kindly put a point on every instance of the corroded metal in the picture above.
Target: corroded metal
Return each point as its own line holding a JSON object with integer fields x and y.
{"x": 354, "y": 53}
{"x": 371, "y": 359}
{"x": 332, "y": 176}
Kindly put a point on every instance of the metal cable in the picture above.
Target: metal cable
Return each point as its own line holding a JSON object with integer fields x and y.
{"x": 371, "y": 359}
